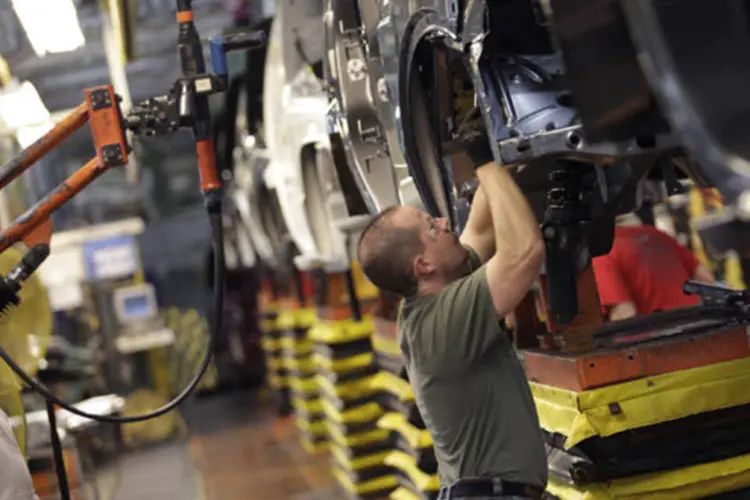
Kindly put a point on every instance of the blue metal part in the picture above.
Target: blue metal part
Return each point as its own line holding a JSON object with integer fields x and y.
{"x": 218, "y": 56}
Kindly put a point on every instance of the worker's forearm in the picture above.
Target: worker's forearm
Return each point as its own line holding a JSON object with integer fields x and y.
{"x": 480, "y": 217}
{"x": 516, "y": 228}
{"x": 479, "y": 233}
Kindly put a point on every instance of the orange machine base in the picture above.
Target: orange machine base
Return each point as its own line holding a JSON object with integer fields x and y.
{"x": 601, "y": 368}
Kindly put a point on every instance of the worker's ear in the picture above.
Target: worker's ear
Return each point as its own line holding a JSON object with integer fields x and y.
{"x": 422, "y": 266}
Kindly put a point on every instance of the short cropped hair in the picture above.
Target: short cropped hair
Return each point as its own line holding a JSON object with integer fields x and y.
{"x": 386, "y": 253}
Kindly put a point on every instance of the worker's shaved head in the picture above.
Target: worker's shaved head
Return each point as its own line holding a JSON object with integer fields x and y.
{"x": 387, "y": 248}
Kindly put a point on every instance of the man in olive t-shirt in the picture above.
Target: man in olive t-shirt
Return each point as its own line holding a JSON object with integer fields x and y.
{"x": 468, "y": 383}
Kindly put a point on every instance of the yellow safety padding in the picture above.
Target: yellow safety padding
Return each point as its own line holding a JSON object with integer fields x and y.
{"x": 304, "y": 385}
{"x": 344, "y": 365}
{"x": 303, "y": 365}
{"x": 267, "y": 325}
{"x": 396, "y": 422}
{"x": 290, "y": 319}
{"x": 388, "y": 382}
{"x": 357, "y": 463}
{"x": 358, "y": 415}
{"x": 314, "y": 428}
{"x": 276, "y": 363}
{"x": 277, "y": 381}
{"x": 403, "y": 494}
{"x": 386, "y": 345}
{"x": 342, "y": 331}
{"x": 690, "y": 483}
{"x": 286, "y": 320}
{"x": 309, "y": 406}
{"x": 270, "y": 345}
{"x": 408, "y": 465}
{"x": 313, "y": 448}
{"x": 364, "y": 488}
{"x": 296, "y": 345}
{"x": 306, "y": 317}
{"x": 353, "y": 389}
{"x": 354, "y": 440}
{"x": 649, "y": 401}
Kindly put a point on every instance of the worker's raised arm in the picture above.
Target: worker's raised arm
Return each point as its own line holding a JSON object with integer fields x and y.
{"x": 519, "y": 246}
{"x": 519, "y": 249}
{"x": 479, "y": 234}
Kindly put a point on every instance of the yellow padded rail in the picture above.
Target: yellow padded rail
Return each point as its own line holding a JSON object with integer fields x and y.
{"x": 355, "y": 440}
{"x": 314, "y": 428}
{"x": 406, "y": 464}
{"x": 690, "y": 483}
{"x": 346, "y": 365}
{"x": 314, "y": 448}
{"x": 359, "y": 415}
{"x": 297, "y": 346}
{"x": 290, "y": 319}
{"x": 267, "y": 325}
{"x": 367, "y": 487}
{"x": 309, "y": 406}
{"x": 388, "y": 382}
{"x": 357, "y": 463}
{"x": 342, "y": 331}
{"x": 396, "y": 422}
{"x": 305, "y": 385}
{"x": 649, "y": 401}
{"x": 270, "y": 345}
{"x": 353, "y": 389}
{"x": 286, "y": 319}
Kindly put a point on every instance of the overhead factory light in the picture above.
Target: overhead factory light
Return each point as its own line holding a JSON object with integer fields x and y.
{"x": 26, "y": 136}
{"x": 23, "y": 111}
{"x": 51, "y": 25}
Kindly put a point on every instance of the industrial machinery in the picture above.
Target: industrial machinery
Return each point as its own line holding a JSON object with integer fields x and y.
{"x": 242, "y": 154}
{"x": 583, "y": 101}
{"x": 579, "y": 126}
{"x": 301, "y": 171}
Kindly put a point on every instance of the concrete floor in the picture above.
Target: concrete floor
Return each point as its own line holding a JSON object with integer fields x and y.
{"x": 237, "y": 450}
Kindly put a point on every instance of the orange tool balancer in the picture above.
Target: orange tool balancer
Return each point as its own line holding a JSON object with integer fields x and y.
{"x": 185, "y": 105}
{"x": 101, "y": 110}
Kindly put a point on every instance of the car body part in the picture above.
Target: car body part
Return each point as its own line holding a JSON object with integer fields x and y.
{"x": 351, "y": 72}
{"x": 301, "y": 170}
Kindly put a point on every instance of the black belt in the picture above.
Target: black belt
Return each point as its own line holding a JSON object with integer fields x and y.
{"x": 486, "y": 487}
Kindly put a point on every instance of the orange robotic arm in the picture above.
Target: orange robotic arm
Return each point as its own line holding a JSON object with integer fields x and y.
{"x": 100, "y": 109}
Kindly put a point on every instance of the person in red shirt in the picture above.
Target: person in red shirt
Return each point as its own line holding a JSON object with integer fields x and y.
{"x": 644, "y": 272}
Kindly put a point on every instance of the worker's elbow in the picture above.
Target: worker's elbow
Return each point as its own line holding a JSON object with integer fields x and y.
{"x": 530, "y": 258}
{"x": 536, "y": 253}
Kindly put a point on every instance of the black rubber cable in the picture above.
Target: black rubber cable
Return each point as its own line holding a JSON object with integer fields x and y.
{"x": 217, "y": 230}
{"x": 57, "y": 453}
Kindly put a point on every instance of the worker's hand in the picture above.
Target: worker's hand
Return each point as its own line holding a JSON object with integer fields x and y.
{"x": 471, "y": 138}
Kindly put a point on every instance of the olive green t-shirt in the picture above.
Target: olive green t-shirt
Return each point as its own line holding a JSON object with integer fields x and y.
{"x": 470, "y": 386}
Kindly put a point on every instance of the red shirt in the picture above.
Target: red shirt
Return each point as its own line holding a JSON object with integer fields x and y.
{"x": 646, "y": 267}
